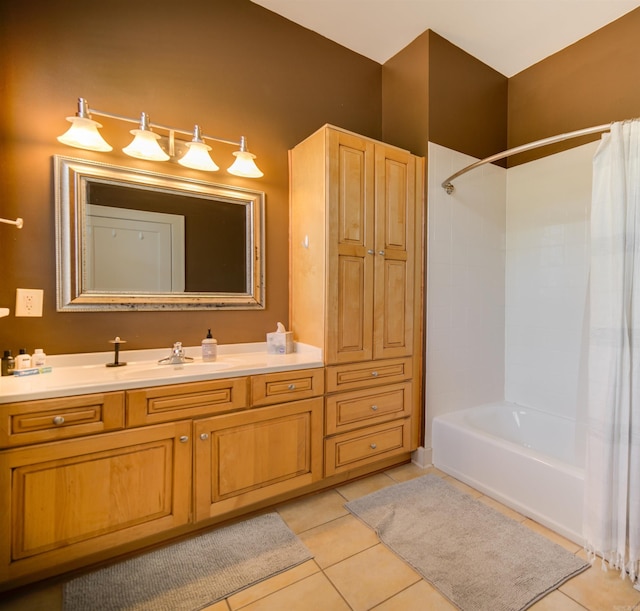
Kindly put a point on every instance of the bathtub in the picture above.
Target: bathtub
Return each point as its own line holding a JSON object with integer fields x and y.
{"x": 530, "y": 460}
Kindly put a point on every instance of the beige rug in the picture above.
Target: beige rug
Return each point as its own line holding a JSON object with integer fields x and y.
{"x": 475, "y": 556}
{"x": 192, "y": 574}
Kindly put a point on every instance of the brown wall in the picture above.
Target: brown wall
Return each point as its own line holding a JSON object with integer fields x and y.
{"x": 230, "y": 65}
{"x": 433, "y": 91}
{"x": 592, "y": 82}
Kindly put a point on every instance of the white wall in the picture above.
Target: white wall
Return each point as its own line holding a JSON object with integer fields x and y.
{"x": 507, "y": 283}
{"x": 548, "y": 205}
{"x": 465, "y": 285}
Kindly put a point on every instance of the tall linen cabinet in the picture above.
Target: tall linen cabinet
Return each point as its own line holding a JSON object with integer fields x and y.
{"x": 356, "y": 289}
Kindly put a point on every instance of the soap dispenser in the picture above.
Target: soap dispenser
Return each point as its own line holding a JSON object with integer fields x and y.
{"x": 209, "y": 348}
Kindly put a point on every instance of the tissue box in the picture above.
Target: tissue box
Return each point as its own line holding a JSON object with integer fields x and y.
{"x": 280, "y": 342}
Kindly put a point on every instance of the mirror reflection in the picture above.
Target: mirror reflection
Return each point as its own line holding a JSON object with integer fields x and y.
{"x": 132, "y": 239}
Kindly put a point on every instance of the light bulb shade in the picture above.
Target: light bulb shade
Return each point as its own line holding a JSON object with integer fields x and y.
{"x": 84, "y": 134}
{"x": 197, "y": 157}
{"x": 245, "y": 166}
{"x": 145, "y": 146}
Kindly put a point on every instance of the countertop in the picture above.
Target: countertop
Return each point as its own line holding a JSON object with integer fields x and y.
{"x": 78, "y": 374}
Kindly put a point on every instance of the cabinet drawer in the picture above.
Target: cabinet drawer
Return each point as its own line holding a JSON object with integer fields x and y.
{"x": 286, "y": 386}
{"x": 358, "y": 408}
{"x": 30, "y": 422}
{"x": 179, "y": 401}
{"x": 369, "y": 373}
{"x": 365, "y": 446}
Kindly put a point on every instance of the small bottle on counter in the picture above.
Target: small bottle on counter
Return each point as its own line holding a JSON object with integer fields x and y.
{"x": 38, "y": 358}
{"x": 209, "y": 348}
{"x": 8, "y": 363}
{"x": 23, "y": 360}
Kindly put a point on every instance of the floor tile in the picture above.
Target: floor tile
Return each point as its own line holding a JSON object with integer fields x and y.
{"x": 219, "y": 606}
{"x": 337, "y": 540}
{"x": 35, "y": 598}
{"x": 371, "y": 577}
{"x": 418, "y": 597}
{"x": 364, "y": 486}
{"x": 271, "y": 585}
{"x": 311, "y": 511}
{"x": 599, "y": 590}
{"x": 409, "y": 471}
{"x": 462, "y": 486}
{"x": 557, "y": 601}
{"x": 315, "y": 593}
{"x": 571, "y": 546}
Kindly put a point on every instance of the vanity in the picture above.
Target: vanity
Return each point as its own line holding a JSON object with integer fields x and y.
{"x": 99, "y": 461}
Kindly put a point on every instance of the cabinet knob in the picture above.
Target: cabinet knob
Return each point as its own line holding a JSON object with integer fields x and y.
{"x": 373, "y": 446}
{"x": 204, "y": 436}
{"x": 370, "y": 251}
{"x": 184, "y": 439}
{"x": 292, "y": 386}
{"x": 58, "y": 420}
{"x": 374, "y": 374}
{"x": 381, "y": 252}
{"x": 374, "y": 408}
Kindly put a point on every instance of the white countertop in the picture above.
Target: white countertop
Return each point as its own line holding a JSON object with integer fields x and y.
{"x": 78, "y": 374}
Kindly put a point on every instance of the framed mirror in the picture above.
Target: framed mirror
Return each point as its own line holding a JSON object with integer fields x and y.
{"x": 129, "y": 239}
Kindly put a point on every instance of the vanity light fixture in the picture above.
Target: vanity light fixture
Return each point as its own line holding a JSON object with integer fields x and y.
{"x": 147, "y": 144}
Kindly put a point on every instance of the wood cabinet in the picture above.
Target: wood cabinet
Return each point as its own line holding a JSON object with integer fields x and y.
{"x": 184, "y": 454}
{"x": 356, "y": 257}
{"x": 67, "y": 500}
{"x": 353, "y": 246}
{"x": 251, "y": 456}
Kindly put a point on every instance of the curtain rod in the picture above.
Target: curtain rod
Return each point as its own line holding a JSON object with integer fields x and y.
{"x": 449, "y": 188}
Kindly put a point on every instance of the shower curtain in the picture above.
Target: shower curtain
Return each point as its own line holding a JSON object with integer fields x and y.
{"x": 612, "y": 485}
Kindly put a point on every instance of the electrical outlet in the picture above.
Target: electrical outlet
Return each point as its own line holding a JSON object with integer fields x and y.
{"x": 29, "y": 302}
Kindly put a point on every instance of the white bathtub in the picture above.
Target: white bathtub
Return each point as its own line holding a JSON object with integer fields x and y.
{"x": 530, "y": 460}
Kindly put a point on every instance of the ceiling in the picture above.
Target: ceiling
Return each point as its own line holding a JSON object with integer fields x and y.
{"x": 508, "y": 35}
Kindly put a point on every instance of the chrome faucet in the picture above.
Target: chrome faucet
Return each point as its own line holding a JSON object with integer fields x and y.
{"x": 177, "y": 356}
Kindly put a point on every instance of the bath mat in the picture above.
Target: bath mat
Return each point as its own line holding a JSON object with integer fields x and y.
{"x": 192, "y": 574}
{"x": 474, "y": 555}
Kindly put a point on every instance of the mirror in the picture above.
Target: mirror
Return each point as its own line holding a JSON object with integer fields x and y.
{"x": 129, "y": 239}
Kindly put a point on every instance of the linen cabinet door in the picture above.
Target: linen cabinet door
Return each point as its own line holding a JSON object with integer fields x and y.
{"x": 64, "y": 501}
{"x": 350, "y": 248}
{"x": 394, "y": 252}
{"x": 248, "y": 457}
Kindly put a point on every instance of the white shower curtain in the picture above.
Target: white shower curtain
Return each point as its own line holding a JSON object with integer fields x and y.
{"x": 612, "y": 486}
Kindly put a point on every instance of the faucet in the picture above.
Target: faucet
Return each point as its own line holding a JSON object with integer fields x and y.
{"x": 177, "y": 356}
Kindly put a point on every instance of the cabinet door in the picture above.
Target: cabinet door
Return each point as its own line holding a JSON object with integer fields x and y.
{"x": 67, "y": 500}
{"x": 394, "y": 252}
{"x": 247, "y": 457}
{"x": 350, "y": 249}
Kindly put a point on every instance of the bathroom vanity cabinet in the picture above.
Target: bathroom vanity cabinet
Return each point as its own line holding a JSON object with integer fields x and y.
{"x": 356, "y": 256}
{"x": 72, "y": 488}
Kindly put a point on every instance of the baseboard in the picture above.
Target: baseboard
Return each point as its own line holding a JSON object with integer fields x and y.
{"x": 423, "y": 457}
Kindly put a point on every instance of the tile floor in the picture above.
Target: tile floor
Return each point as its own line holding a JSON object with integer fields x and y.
{"x": 352, "y": 570}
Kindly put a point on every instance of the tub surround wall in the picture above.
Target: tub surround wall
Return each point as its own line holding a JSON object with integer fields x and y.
{"x": 547, "y": 272}
{"x": 465, "y": 292}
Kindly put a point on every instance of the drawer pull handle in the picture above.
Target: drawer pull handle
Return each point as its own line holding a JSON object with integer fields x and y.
{"x": 204, "y": 436}
{"x": 374, "y": 374}
{"x": 373, "y": 446}
{"x": 370, "y": 251}
{"x": 58, "y": 420}
{"x": 374, "y": 408}
{"x": 184, "y": 439}
{"x": 292, "y": 386}
{"x": 381, "y": 253}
